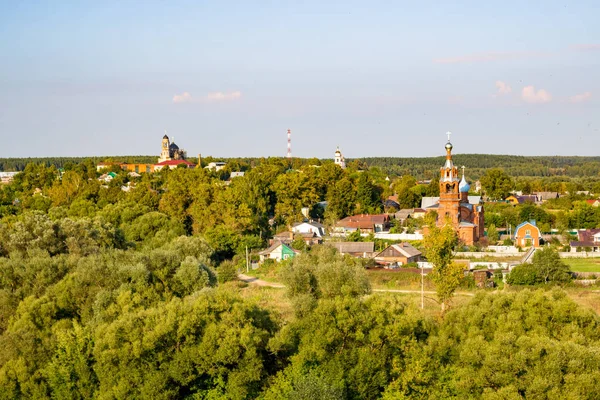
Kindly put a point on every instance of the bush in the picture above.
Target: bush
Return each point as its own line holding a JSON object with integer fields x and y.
{"x": 523, "y": 274}
{"x": 547, "y": 267}
{"x": 227, "y": 272}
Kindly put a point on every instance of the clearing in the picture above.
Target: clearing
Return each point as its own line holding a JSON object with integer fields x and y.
{"x": 583, "y": 264}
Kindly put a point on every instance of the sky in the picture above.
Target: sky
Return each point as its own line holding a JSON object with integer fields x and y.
{"x": 228, "y": 78}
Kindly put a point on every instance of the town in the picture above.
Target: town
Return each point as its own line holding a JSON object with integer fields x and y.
{"x": 299, "y": 200}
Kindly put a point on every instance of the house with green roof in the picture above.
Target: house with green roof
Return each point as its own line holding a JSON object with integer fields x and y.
{"x": 278, "y": 251}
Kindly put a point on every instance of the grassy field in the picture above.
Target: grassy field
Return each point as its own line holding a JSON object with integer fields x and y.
{"x": 583, "y": 264}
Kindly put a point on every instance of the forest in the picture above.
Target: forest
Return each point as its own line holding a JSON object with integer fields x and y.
{"x": 419, "y": 167}
{"x": 128, "y": 289}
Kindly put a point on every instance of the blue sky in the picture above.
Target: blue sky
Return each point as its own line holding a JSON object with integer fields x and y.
{"x": 228, "y": 78}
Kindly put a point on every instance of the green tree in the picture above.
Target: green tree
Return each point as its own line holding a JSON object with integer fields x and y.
{"x": 323, "y": 273}
{"x": 492, "y": 234}
{"x": 546, "y": 267}
{"x": 496, "y": 183}
{"x": 439, "y": 244}
{"x": 530, "y": 344}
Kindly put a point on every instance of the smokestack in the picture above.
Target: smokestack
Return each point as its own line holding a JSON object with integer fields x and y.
{"x": 289, "y": 144}
{"x": 199, "y": 161}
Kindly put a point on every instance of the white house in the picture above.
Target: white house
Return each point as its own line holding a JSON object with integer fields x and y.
{"x": 107, "y": 177}
{"x": 7, "y": 177}
{"x": 216, "y": 166}
{"x": 278, "y": 251}
{"x": 309, "y": 227}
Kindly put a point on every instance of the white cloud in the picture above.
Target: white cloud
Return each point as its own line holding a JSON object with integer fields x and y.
{"x": 530, "y": 95}
{"x": 213, "y": 97}
{"x": 503, "y": 88}
{"x": 580, "y": 98}
{"x": 586, "y": 47}
{"x": 220, "y": 96}
{"x": 185, "y": 97}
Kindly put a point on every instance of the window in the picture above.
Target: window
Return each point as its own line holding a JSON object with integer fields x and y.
{"x": 528, "y": 232}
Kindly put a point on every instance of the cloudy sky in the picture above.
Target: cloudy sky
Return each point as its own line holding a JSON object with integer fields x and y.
{"x": 228, "y": 78}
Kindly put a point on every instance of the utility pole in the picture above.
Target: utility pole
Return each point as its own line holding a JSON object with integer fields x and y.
{"x": 422, "y": 287}
{"x": 247, "y": 261}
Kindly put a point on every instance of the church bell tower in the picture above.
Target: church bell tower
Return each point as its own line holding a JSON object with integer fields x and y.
{"x": 449, "y": 203}
{"x": 165, "y": 153}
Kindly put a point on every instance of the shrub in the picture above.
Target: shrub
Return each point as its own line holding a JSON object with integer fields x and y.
{"x": 227, "y": 272}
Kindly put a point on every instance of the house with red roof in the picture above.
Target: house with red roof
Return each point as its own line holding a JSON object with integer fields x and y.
{"x": 593, "y": 203}
{"x": 364, "y": 223}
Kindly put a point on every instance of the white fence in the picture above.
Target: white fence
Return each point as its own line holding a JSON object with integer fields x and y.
{"x": 582, "y": 254}
{"x": 503, "y": 249}
{"x": 488, "y": 265}
{"x": 399, "y": 236}
{"x": 482, "y": 254}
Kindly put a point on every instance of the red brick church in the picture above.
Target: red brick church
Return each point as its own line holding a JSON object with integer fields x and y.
{"x": 464, "y": 212}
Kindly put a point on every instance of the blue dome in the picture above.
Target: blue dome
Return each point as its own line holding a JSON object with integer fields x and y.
{"x": 463, "y": 186}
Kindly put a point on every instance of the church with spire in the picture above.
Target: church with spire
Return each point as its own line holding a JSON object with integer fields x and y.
{"x": 454, "y": 204}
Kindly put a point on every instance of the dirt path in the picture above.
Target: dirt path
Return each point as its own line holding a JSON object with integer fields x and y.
{"x": 260, "y": 282}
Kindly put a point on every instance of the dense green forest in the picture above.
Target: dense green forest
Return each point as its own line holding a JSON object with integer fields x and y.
{"x": 477, "y": 164}
{"x": 127, "y": 289}
{"x": 419, "y": 167}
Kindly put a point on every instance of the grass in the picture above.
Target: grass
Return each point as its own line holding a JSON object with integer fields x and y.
{"x": 583, "y": 264}
{"x": 266, "y": 271}
{"x": 403, "y": 280}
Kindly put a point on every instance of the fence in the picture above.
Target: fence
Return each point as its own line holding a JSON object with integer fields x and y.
{"x": 399, "y": 236}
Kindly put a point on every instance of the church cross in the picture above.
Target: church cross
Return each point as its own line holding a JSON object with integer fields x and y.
{"x": 448, "y": 133}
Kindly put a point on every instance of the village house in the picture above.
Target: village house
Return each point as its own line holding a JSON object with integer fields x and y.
{"x": 521, "y": 199}
{"x": 527, "y": 234}
{"x": 398, "y": 254}
{"x": 365, "y": 224}
{"x": 285, "y": 237}
{"x": 106, "y": 178}
{"x": 309, "y": 227}
{"x": 355, "y": 249}
{"x": 593, "y": 203}
{"x": 215, "y": 166}
{"x": 7, "y": 177}
{"x": 545, "y": 196}
{"x": 278, "y": 251}
{"x": 404, "y": 214}
{"x": 587, "y": 240}
{"x": 421, "y": 212}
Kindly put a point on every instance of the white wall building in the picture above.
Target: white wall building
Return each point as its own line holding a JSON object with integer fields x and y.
{"x": 309, "y": 227}
{"x": 339, "y": 158}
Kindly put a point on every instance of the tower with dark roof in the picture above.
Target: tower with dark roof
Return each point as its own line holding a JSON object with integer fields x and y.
{"x": 170, "y": 151}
